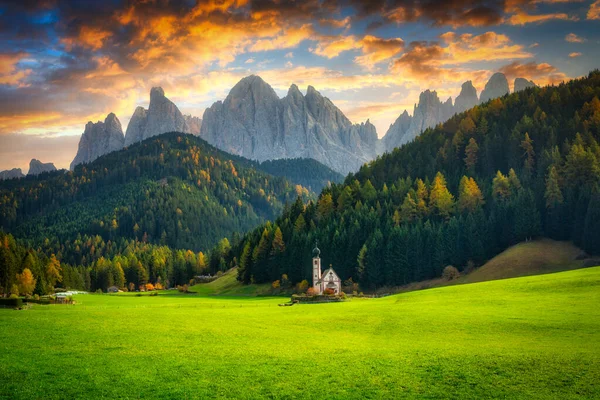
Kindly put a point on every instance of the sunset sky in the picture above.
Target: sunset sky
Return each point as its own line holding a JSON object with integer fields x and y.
{"x": 65, "y": 63}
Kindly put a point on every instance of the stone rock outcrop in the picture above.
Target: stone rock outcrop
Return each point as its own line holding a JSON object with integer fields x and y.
{"x": 522, "y": 84}
{"x": 11, "y": 174}
{"x": 429, "y": 112}
{"x": 466, "y": 99}
{"x": 497, "y": 86}
{"x": 37, "y": 167}
{"x": 98, "y": 139}
{"x": 255, "y": 123}
{"x": 162, "y": 116}
{"x": 194, "y": 124}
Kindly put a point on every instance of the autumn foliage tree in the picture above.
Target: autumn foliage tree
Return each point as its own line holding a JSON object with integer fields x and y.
{"x": 26, "y": 282}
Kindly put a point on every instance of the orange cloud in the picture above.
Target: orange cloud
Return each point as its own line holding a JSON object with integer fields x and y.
{"x": 542, "y": 74}
{"x": 594, "y": 11}
{"x": 575, "y": 54}
{"x": 431, "y": 61}
{"x": 374, "y": 49}
{"x": 10, "y": 74}
{"x": 523, "y": 18}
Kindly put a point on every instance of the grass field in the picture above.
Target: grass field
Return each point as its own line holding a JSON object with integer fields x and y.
{"x": 530, "y": 337}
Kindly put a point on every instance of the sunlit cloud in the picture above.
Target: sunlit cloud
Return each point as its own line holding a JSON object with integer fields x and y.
{"x": 594, "y": 11}
{"x": 522, "y": 18}
{"x": 575, "y": 54}
{"x": 573, "y": 38}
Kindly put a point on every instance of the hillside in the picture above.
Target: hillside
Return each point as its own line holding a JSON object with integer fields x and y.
{"x": 522, "y": 166}
{"x": 156, "y": 203}
{"x": 530, "y": 258}
{"x": 307, "y": 172}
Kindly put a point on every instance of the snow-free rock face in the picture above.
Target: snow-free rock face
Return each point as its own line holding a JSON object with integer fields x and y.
{"x": 37, "y": 167}
{"x": 522, "y": 84}
{"x": 429, "y": 112}
{"x": 194, "y": 124}
{"x": 98, "y": 139}
{"x": 162, "y": 116}
{"x": 11, "y": 174}
{"x": 497, "y": 86}
{"x": 255, "y": 123}
{"x": 467, "y": 98}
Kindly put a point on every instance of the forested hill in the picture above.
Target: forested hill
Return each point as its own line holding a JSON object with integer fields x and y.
{"x": 307, "y": 172}
{"x": 517, "y": 167}
{"x": 173, "y": 190}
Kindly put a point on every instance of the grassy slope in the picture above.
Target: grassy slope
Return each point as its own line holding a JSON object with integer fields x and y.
{"x": 228, "y": 285}
{"x": 531, "y": 337}
{"x": 529, "y": 258}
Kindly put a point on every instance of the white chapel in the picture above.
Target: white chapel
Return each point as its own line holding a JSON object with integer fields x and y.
{"x": 326, "y": 280}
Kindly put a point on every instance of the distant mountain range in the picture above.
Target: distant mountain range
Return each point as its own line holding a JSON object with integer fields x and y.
{"x": 253, "y": 122}
{"x": 36, "y": 167}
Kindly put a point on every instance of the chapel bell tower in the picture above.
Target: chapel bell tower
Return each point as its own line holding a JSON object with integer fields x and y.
{"x": 316, "y": 267}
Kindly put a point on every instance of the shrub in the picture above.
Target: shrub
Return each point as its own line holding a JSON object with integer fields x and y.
{"x": 276, "y": 284}
{"x": 149, "y": 287}
{"x": 11, "y": 302}
{"x": 450, "y": 273}
{"x": 302, "y": 286}
{"x": 311, "y": 292}
{"x": 98, "y": 291}
{"x": 13, "y": 296}
{"x": 329, "y": 292}
{"x": 158, "y": 286}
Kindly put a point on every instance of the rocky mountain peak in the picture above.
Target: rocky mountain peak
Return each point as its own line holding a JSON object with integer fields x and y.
{"x": 497, "y": 86}
{"x": 156, "y": 92}
{"x": 11, "y": 174}
{"x": 161, "y": 116}
{"x": 37, "y": 167}
{"x": 522, "y": 84}
{"x": 98, "y": 139}
{"x": 467, "y": 98}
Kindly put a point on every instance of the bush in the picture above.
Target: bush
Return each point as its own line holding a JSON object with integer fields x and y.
{"x": 276, "y": 284}
{"x": 450, "y": 273}
{"x": 302, "y": 286}
{"x": 311, "y": 292}
{"x": 11, "y": 302}
{"x": 98, "y": 291}
{"x": 13, "y": 296}
{"x": 329, "y": 292}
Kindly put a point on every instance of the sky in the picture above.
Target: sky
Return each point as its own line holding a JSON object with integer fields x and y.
{"x": 64, "y": 63}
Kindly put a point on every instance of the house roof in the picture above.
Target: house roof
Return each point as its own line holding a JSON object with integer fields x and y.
{"x": 327, "y": 271}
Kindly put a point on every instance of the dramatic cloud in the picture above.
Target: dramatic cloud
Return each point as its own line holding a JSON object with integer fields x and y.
{"x": 63, "y": 63}
{"x": 440, "y": 61}
{"x": 541, "y": 74}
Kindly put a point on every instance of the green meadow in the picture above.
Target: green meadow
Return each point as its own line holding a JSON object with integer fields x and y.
{"x": 523, "y": 338}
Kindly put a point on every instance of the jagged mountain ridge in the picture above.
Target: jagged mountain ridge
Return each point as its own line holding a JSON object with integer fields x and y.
{"x": 254, "y": 122}
{"x": 430, "y": 111}
{"x": 11, "y": 174}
